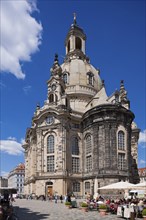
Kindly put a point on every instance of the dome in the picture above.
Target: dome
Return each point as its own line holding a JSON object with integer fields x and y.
{"x": 82, "y": 73}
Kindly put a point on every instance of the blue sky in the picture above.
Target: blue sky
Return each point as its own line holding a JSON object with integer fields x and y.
{"x": 33, "y": 31}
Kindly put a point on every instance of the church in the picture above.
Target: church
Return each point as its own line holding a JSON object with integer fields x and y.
{"x": 80, "y": 139}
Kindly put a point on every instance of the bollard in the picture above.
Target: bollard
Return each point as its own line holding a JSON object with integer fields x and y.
{"x": 132, "y": 216}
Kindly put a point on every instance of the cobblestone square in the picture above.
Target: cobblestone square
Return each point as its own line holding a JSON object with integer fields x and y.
{"x": 43, "y": 210}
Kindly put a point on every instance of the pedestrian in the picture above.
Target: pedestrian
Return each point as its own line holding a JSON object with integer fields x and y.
{"x": 69, "y": 198}
{"x": 61, "y": 198}
{"x": 55, "y": 198}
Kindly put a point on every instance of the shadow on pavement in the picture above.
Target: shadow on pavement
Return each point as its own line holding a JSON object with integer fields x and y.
{"x": 27, "y": 214}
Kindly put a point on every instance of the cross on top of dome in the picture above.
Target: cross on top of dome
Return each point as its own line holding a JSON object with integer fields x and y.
{"x": 75, "y": 22}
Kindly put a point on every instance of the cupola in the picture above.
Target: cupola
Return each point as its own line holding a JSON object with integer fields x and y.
{"x": 75, "y": 39}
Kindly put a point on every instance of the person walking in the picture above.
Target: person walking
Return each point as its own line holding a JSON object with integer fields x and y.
{"x": 61, "y": 198}
{"x": 55, "y": 198}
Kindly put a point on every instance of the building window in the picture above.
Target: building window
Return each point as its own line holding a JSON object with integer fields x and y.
{"x": 87, "y": 187}
{"x": 89, "y": 163}
{"x": 90, "y": 78}
{"x": 50, "y": 144}
{"x": 51, "y": 98}
{"x": 121, "y": 140}
{"x": 78, "y": 43}
{"x": 65, "y": 78}
{"x": 75, "y": 146}
{"x": 121, "y": 161}
{"x": 76, "y": 187}
{"x": 49, "y": 119}
{"x": 50, "y": 163}
{"x": 68, "y": 46}
{"x": 88, "y": 145}
{"x": 75, "y": 164}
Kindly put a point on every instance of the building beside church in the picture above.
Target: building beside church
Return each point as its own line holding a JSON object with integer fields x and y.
{"x": 142, "y": 174}
{"x": 81, "y": 139}
{"x": 3, "y": 181}
{"x": 16, "y": 178}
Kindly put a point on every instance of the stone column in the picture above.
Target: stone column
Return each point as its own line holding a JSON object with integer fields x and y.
{"x": 95, "y": 188}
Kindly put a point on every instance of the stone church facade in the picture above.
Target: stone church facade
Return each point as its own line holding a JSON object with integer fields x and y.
{"x": 81, "y": 139}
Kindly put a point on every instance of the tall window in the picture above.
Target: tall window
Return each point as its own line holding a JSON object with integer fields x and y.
{"x": 87, "y": 186}
{"x": 90, "y": 78}
{"x": 65, "y": 78}
{"x": 121, "y": 140}
{"x": 51, "y": 98}
{"x": 88, "y": 144}
{"x": 121, "y": 161}
{"x": 68, "y": 45}
{"x": 75, "y": 146}
{"x": 75, "y": 164}
{"x": 76, "y": 187}
{"x": 50, "y": 144}
{"x": 50, "y": 163}
{"x": 89, "y": 163}
{"x": 78, "y": 43}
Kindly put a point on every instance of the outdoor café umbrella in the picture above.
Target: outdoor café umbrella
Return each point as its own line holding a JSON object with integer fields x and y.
{"x": 119, "y": 185}
{"x": 143, "y": 184}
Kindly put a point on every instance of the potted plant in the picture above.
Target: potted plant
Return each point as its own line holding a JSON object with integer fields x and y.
{"x": 84, "y": 206}
{"x": 102, "y": 209}
{"x": 144, "y": 213}
{"x": 68, "y": 204}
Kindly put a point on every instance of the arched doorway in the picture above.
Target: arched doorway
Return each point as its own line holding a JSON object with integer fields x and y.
{"x": 49, "y": 188}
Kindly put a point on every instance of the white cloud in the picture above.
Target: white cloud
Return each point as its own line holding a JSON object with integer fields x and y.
{"x": 12, "y": 138}
{"x": 142, "y": 137}
{"x": 20, "y": 35}
{"x": 2, "y": 85}
{"x": 11, "y": 146}
{"x": 26, "y": 89}
{"x": 142, "y": 162}
{"x": 4, "y": 174}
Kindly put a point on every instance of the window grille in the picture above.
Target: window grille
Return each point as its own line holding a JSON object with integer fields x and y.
{"x": 90, "y": 78}
{"x": 65, "y": 76}
{"x": 121, "y": 140}
{"x": 88, "y": 144}
{"x": 75, "y": 164}
{"x": 50, "y": 163}
{"x": 87, "y": 186}
{"x": 75, "y": 146}
{"x": 121, "y": 161}
{"x": 89, "y": 163}
{"x": 50, "y": 144}
{"x": 76, "y": 187}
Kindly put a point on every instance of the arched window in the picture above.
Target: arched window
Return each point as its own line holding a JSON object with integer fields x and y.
{"x": 68, "y": 46}
{"x": 90, "y": 78}
{"x": 50, "y": 144}
{"x": 51, "y": 98}
{"x": 65, "y": 78}
{"x": 78, "y": 43}
{"x": 88, "y": 145}
{"x": 121, "y": 140}
{"x": 75, "y": 146}
{"x": 56, "y": 98}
